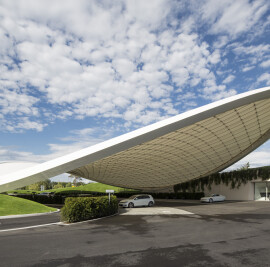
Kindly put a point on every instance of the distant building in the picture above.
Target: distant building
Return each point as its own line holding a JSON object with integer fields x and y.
{"x": 254, "y": 190}
{"x": 244, "y": 184}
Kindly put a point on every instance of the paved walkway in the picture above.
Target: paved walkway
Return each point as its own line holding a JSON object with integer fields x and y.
{"x": 153, "y": 211}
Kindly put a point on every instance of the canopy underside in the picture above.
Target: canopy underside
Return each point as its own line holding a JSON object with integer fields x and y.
{"x": 191, "y": 152}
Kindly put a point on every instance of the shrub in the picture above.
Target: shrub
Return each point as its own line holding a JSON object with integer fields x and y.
{"x": 85, "y": 208}
{"x": 74, "y": 192}
{"x": 180, "y": 195}
{"x": 53, "y": 199}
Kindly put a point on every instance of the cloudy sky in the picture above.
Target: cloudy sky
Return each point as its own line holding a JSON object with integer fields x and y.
{"x": 75, "y": 73}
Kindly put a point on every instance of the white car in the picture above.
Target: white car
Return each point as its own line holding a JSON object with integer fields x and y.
{"x": 213, "y": 198}
{"x": 137, "y": 201}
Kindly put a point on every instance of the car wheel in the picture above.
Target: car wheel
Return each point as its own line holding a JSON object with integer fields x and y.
{"x": 150, "y": 204}
{"x": 211, "y": 200}
{"x": 130, "y": 205}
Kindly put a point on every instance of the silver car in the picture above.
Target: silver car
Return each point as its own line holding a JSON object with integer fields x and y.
{"x": 213, "y": 198}
{"x": 137, "y": 201}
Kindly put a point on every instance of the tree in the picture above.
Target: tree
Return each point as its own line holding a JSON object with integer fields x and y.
{"x": 46, "y": 183}
{"x": 244, "y": 167}
{"x": 59, "y": 185}
{"x": 35, "y": 187}
{"x": 76, "y": 179}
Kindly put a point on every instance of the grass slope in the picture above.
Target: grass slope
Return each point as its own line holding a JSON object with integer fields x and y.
{"x": 13, "y": 206}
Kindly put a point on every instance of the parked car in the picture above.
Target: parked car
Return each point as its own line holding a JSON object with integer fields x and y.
{"x": 137, "y": 201}
{"x": 213, "y": 198}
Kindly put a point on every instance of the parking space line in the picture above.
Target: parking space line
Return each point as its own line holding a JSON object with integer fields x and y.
{"x": 30, "y": 227}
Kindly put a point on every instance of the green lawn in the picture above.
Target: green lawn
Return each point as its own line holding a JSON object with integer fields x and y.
{"x": 13, "y": 206}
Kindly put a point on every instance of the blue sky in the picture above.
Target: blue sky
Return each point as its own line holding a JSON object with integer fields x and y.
{"x": 75, "y": 73}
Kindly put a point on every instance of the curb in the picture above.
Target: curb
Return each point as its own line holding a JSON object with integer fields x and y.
{"x": 27, "y": 215}
{"x": 30, "y": 227}
{"x": 67, "y": 224}
{"x": 57, "y": 223}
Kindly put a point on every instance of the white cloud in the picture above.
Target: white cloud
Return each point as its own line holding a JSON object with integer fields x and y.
{"x": 233, "y": 17}
{"x": 256, "y": 50}
{"x": 265, "y": 64}
{"x": 221, "y": 41}
{"x": 229, "y": 79}
{"x": 94, "y": 70}
{"x": 13, "y": 102}
{"x": 253, "y": 54}
{"x": 247, "y": 68}
{"x": 98, "y": 59}
{"x": 76, "y": 140}
{"x": 150, "y": 14}
{"x": 258, "y": 158}
{"x": 8, "y": 154}
{"x": 264, "y": 78}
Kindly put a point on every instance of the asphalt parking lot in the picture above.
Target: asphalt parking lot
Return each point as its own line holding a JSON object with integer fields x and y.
{"x": 172, "y": 233}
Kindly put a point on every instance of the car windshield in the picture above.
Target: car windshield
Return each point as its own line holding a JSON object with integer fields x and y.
{"x": 132, "y": 197}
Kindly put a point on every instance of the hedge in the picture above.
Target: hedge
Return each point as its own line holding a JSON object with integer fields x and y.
{"x": 78, "y": 209}
{"x": 60, "y": 198}
{"x": 53, "y": 199}
{"x": 180, "y": 195}
{"x": 78, "y": 192}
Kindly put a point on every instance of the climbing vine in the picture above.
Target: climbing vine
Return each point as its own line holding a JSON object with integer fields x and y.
{"x": 233, "y": 178}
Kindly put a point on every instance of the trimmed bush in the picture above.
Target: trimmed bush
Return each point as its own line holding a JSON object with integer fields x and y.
{"x": 78, "y": 209}
{"x": 180, "y": 195}
{"x": 58, "y": 198}
{"x": 53, "y": 199}
{"x": 74, "y": 193}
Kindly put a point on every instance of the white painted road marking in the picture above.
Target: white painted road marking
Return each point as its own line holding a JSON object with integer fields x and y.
{"x": 154, "y": 211}
{"x": 29, "y": 227}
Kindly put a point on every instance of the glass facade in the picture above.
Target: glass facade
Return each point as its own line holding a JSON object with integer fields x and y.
{"x": 262, "y": 191}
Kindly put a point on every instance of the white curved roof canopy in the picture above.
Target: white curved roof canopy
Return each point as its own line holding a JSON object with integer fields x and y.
{"x": 185, "y": 147}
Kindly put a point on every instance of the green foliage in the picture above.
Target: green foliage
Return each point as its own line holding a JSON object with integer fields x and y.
{"x": 90, "y": 188}
{"x": 181, "y": 195}
{"x": 53, "y": 199}
{"x": 264, "y": 173}
{"x": 59, "y": 185}
{"x": 35, "y": 187}
{"x": 24, "y": 192}
{"x": 244, "y": 167}
{"x": 233, "y": 178}
{"x": 47, "y": 183}
{"x": 86, "y": 208}
{"x": 72, "y": 192}
{"x": 57, "y": 198}
{"x": 76, "y": 179}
